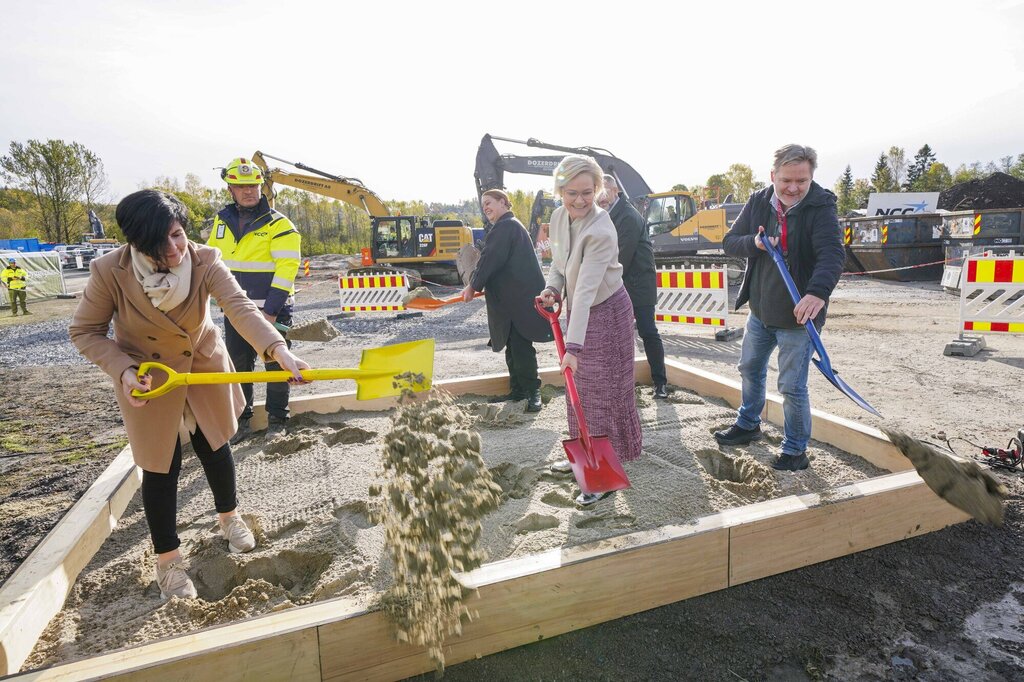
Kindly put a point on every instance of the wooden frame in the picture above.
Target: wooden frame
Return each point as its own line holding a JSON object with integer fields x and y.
{"x": 519, "y": 600}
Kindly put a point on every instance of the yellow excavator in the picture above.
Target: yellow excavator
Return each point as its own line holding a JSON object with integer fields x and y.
{"x": 438, "y": 250}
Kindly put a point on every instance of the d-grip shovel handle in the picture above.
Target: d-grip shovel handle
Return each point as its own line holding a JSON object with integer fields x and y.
{"x": 176, "y": 379}
{"x": 570, "y": 383}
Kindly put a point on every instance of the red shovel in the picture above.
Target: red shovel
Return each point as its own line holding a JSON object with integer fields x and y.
{"x": 594, "y": 463}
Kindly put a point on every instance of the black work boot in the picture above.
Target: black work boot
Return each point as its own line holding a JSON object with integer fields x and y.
{"x": 243, "y": 432}
{"x": 534, "y": 402}
{"x": 660, "y": 391}
{"x": 791, "y": 462}
{"x": 507, "y": 397}
{"x": 736, "y": 435}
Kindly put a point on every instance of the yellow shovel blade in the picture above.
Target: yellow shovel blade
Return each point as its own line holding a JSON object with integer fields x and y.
{"x": 412, "y": 362}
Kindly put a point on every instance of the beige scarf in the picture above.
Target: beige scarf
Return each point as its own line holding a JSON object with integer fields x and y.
{"x": 166, "y": 290}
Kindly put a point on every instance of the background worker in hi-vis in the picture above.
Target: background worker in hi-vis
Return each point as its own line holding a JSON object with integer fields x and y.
{"x": 261, "y": 247}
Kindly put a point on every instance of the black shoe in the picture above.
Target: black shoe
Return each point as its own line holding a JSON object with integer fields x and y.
{"x": 275, "y": 427}
{"x": 508, "y": 397}
{"x": 791, "y": 462}
{"x": 534, "y": 402}
{"x": 660, "y": 391}
{"x": 735, "y": 435}
{"x": 243, "y": 432}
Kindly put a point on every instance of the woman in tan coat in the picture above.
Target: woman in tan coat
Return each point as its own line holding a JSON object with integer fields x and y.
{"x": 156, "y": 290}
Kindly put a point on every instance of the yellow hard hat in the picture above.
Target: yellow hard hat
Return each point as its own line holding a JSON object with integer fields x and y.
{"x": 242, "y": 171}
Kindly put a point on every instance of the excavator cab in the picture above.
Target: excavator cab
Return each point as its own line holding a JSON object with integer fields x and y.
{"x": 665, "y": 212}
{"x": 393, "y": 237}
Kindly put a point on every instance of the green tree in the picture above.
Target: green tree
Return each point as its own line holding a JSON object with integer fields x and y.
{"x": 1018, "y": 168}
{"x": 844, "y": 190}
{"x": 60, "y": 176}
{"x": 936, "y": 179}
{"x": 881, "y": 179}
{"x": 923, "y": 161}
{"x": 679, "y": 188}
{"x": 861, "y": 191}
{"x": 741, "y": 177}
{"x": 718, "y": 187}
{"x": 965, "y": 173}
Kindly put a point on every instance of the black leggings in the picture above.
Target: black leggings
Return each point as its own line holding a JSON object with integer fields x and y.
{"x": 160, "y": 491}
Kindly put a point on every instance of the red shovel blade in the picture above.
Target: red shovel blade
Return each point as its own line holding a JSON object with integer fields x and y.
{"x": 598, "y": 471}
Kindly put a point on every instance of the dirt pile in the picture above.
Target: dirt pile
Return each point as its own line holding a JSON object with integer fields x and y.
{"x": 436, "y": 490}
{"x": 998, "y": 190}
{"x": 316, "y": 330}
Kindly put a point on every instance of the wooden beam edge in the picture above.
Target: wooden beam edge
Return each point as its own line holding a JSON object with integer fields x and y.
{"x": 36, "y": 590}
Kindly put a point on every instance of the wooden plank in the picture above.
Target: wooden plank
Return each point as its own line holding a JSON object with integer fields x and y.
{"x": 776, "y": 537}
{"x": 528, "y": 605}
{"x": 284, "y": 656}
{"x": 36, "y": 591}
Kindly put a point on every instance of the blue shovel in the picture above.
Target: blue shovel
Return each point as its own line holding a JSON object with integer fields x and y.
{"x": 821, "y": 362}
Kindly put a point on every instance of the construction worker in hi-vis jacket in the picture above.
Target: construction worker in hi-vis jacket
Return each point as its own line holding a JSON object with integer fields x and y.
{"x": 261, "y": 247}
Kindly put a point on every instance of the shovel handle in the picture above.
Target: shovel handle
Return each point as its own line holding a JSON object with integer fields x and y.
{"x": 570, "y": 383}
{"x": 176, "y": 379}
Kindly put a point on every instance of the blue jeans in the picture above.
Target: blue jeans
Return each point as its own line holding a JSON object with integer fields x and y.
{"x": 795, "y": 352}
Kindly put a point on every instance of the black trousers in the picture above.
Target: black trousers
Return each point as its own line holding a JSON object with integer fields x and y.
{"x": 160, "y": 491}
{"x": 521, "y": 358}
{"x": 243, "y": 357}
{"x": 653, "y": 347}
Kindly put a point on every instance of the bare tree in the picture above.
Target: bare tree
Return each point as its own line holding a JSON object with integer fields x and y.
{"x": 896, "y": 159}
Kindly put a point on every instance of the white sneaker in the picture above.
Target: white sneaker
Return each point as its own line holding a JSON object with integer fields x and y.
{"x": 173, "y": 581}
{"x": 240, "y": 538}
{"x": 562, "y": 466}
{"x": 587, "y": 499}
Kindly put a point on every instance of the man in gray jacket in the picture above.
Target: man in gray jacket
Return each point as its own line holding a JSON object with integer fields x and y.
{"x": 799, "y": 215}
{"x": 636, "y": 254}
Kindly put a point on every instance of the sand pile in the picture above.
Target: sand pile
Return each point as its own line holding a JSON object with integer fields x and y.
{"x": 306, "y": 497}
{"x": 436, "y": 490}
{"x": 315, "y": 330}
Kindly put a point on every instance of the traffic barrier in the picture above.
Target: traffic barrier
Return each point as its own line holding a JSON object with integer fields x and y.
{"x": 699, "y": 297}
{"x": 991, "y": 300}
{"x": 990, "y": 294}
{"x": 372, "y": 292}
{"x": 305, "y": 268}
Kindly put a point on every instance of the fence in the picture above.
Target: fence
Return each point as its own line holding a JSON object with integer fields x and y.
{"x": 698, "y": 297}
{"x": 45, "y": 277}
{"x": 990, "y": 294}
{"x": 372, "y": 292}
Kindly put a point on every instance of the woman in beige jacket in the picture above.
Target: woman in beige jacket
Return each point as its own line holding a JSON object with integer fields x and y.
{"x": 586, "y": 274}
{"x": 156, "y": 290}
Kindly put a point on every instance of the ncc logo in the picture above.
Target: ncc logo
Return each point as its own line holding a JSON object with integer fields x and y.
{"x": 911, "y": 208}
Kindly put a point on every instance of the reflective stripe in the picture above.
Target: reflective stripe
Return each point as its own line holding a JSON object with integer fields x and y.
{"x": 285, "y": 254}
{"x": 259, "y": 301}
{"x": 282, "y": 283}
{"x": 249, "y": 266}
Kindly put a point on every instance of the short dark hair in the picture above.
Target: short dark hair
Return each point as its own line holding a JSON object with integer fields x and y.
{"x": 145, "y": 218}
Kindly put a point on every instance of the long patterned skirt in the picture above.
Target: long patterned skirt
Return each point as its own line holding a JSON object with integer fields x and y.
{"x": 604, "y": 379}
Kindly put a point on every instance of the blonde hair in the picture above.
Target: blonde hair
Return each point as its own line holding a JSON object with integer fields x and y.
{"x": 497, "y": 194}
{"x": 573, "y": 165}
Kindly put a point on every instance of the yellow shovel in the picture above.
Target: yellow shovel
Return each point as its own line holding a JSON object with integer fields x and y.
{"x": 375, "y": 376}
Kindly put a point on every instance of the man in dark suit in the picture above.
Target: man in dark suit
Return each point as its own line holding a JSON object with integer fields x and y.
{"x": 509, "y": 274}
{"x": 638, "y": 274}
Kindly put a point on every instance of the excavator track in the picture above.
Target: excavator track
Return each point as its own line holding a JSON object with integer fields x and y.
{"x": 735, "y": 266}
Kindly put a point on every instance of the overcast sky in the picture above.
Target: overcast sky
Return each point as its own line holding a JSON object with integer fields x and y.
{"x": 399, "y": 94}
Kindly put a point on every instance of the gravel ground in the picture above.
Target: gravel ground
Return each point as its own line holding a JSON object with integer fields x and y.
{"x": 946, "y": 606}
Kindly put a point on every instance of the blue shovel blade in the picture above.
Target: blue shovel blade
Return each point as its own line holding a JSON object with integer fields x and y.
{"x": 836, "y": 381}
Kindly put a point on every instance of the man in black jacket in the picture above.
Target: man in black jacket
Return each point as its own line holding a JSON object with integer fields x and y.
{"x": 636, "y": 254}
{"x": 799, "y": 215}
{"x": 509, "y": 274}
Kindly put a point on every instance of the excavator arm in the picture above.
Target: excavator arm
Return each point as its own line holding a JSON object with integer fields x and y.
{"x": 349, "y": 190}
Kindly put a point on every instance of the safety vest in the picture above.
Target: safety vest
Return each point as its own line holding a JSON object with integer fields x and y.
{"x": 264, "y": 259}
{"x": 14, "y": 278}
